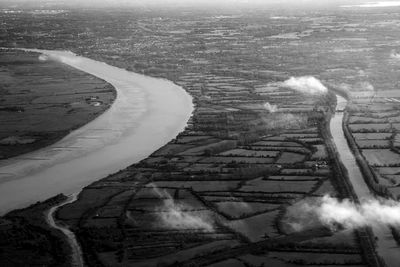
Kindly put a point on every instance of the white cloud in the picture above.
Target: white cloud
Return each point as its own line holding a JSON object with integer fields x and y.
{"x": 331, "y": 212}
{"x": 395, "y": 55}
{"x": 179, "y": 216}
{"x": 305, "y": 84}
{"x": 271, "y": 108}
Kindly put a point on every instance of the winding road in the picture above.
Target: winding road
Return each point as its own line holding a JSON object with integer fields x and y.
{"x": 76, "y": 257}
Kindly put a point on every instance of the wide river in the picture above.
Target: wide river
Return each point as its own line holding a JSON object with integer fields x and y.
{"x": 146, "y": 114}
{"x": 387, "y": 248}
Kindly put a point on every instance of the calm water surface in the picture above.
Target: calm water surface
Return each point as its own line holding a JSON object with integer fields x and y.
{"x": 146, "y": 114}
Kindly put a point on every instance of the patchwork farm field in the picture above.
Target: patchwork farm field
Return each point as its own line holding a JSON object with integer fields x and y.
{"x": 375, "y": 132}
{"x": 256, "y": 145}
{"x": 201, "y": 189}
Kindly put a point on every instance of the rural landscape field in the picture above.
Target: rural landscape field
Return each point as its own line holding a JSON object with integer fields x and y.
{"x": 290, "y": 157}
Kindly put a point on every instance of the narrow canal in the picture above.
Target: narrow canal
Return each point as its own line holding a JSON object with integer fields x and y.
{"x": 387, "y": 247}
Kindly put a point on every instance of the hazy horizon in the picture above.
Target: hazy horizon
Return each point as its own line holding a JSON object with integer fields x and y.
{"x": 194, "y": 3}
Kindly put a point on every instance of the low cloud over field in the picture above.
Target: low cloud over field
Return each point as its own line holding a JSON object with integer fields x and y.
{"x": 333, "y": 213}
{"x": 63, "y": 57}
{"x": 285, "y": 121}
{"x": 271, "y": 108}
{"x": 178, "y": 216}
{"x": 305, "y": 85}
{"x": 395, "y": 55}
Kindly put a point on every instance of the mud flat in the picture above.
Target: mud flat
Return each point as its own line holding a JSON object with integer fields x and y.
{"x": 42, "y": 101}
{"x": 146, "y": 114}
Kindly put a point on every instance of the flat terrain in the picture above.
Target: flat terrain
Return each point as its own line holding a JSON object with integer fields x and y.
{"x": 217, "y": 195}
{"x": 42, "y": 100}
